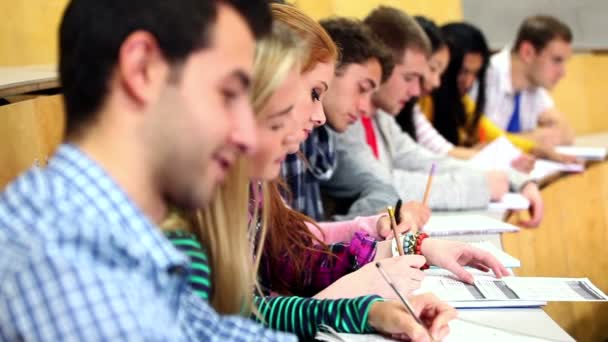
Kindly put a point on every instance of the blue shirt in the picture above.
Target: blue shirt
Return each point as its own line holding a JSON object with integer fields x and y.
{"x": 79, "y": 261}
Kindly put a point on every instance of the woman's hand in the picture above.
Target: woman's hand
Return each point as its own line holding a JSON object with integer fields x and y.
{"x": 392, "y": 318}
{"x": 414, "y": 215}
{"x": 453, "y": 255}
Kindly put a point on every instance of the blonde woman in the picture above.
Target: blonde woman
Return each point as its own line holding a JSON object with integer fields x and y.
{"x": 223, "y": 259}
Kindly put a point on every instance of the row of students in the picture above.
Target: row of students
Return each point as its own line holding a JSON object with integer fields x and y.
{"x": 158, "y": 115}
{"x": 370, "y": 145}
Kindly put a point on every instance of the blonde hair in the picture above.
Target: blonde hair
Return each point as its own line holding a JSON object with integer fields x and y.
{"x": 223, "y": 227}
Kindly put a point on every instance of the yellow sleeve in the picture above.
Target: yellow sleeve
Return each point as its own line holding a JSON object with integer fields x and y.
{"x": 489, "y": 131}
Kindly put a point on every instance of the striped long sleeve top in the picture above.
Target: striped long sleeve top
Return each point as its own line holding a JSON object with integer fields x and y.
{"x": 298, "y": 315}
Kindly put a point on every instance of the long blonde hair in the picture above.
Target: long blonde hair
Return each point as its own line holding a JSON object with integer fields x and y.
{"x": 223, "y": 227}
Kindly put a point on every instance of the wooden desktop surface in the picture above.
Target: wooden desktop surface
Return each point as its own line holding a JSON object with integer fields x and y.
{"x": 572, "y": 241}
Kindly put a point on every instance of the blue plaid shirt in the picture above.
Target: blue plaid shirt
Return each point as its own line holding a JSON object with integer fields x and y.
{"x": 79, "y": 261}
{"x": 304, "y": 173}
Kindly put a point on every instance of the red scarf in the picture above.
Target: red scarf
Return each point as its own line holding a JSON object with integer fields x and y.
{"x": 370, "y": 134}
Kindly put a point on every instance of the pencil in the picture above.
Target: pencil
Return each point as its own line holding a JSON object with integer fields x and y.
{"x": 398, "y": 211}
{"x": 405, "y": 302}
{"x": 391, "y": 217}
{"x": 425, "y": 199}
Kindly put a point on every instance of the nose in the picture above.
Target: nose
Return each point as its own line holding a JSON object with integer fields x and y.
{"x": 364, "y": 105}
{"x": 243, "y": 134}
{"x": 318, "y": 117}
{"x": 415, "y": 89}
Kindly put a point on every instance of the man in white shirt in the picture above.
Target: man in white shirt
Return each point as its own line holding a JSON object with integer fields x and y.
{"x": 519, "y": 78}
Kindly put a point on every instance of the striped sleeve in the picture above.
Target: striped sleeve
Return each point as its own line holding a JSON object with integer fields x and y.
{"x": 301, "y": 316}
{"x": 304, "y": 316}
{"x": 427, "y": 135}
{"x": 200, "y": 277}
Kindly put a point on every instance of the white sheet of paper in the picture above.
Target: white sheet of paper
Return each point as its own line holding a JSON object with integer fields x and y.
{"x": 545, "y": 168}
{"x": 587, "y": 153}
{"x": 459, "y": 224}
{"x": 497, "y": 155}
{"x": 513, "y": 289}
{"x": 470, "y": 331}
{"x": 510, "y": 201}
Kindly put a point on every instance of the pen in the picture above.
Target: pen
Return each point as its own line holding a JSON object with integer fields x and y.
{"x": 391, "y": 217}
{"x": 405, "y": 302}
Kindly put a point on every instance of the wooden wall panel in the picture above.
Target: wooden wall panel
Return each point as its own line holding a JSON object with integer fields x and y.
{"x": 28, "y": 31}
{"x": 30, "y": 130}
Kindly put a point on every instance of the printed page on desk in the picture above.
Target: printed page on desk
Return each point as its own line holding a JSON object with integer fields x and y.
{"x": 459, "y": 224}
{"x": 587, "y": 153}
{"x": 513, "y": 289}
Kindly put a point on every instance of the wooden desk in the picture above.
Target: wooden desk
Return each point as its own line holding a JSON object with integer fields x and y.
{"x": 572, "y": 241}
{"x": 26, "y": 79}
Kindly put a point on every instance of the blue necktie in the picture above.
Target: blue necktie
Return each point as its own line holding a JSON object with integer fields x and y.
{"x": 515, "y": 124}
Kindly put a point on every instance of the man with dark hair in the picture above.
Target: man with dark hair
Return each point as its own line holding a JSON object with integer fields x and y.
{"x": 364, "y": 65}
{"x": 519, "y": 78}
{"x": 378, "y": 145}
{"x": 156, "y": 98}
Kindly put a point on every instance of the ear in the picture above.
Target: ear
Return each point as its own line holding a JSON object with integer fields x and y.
{"x": 527, "y": 52}
{"x": 142, "y": 69}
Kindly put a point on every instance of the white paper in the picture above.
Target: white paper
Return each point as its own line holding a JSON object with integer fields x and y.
{"x": 505, "y": 259}
{"x": 458, "y": 224}
{"x": 545, "y": 168}
{"x": 461, "y": 330}
{"x": 510, "y": 201}
{"x": 587, "y": 153}
{"x": 497, "y": 155}
{"x": 513, "y": 289}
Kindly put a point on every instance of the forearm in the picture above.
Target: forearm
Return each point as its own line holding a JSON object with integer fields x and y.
{"x": 304, "y": 316}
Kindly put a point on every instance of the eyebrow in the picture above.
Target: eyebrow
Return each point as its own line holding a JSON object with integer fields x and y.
{"x": 371, "y": 83}
{"x": 325, "y": 85}
{"x": 281, "y": 113}
{"x": 242, "y": 77}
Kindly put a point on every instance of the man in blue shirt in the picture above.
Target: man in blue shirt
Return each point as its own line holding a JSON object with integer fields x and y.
{"x": 156, "y": 96}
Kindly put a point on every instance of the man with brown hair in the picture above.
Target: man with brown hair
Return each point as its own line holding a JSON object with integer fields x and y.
{"x": 519, "y": 77}
{"x": 378, "y": 145}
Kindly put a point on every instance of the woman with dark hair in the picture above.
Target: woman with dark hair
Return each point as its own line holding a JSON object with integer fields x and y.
{"x": 411, "y": 119}
{"x": 453, "y": 111}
